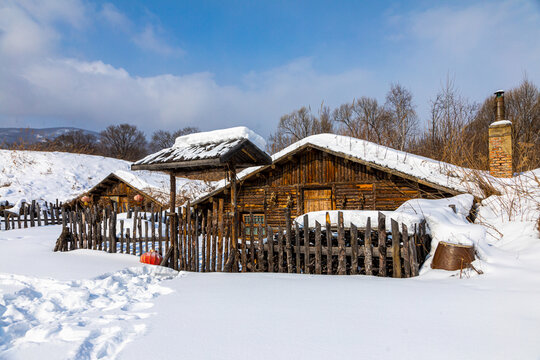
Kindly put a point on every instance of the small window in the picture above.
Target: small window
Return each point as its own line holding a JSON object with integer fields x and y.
{"x": 258, "y": 219}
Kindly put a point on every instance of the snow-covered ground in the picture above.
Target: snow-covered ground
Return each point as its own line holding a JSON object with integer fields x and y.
{"x": 88, "y": 304}
{"x": 47, "y": 176}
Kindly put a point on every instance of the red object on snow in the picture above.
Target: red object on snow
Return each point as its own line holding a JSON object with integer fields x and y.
{"x": 151, "y": 257}
{"x": 138, "y": 198}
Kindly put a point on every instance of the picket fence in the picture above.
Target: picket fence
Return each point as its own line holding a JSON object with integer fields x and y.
{"x": 204, "y": 242}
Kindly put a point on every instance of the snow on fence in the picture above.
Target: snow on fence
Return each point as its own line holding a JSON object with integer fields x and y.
{"x": 31, "y": 215}
{"x": 205, "y": 244}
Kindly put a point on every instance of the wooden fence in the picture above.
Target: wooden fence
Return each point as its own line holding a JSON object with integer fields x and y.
{"x": 31, "y": 215}
{"x": 204, "y": 242}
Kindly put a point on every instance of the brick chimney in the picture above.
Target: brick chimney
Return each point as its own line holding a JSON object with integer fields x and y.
{"x": 500, "y": 142}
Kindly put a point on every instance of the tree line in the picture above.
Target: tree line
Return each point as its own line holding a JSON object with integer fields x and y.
{"x": 122, "y": 141}
{"x": 455, "y": 132}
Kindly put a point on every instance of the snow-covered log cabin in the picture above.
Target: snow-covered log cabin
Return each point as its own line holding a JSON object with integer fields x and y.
{"x": 129, "y": 189}
{"x": 332, "y": 172}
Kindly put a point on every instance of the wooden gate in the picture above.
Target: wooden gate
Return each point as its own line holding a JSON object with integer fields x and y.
{"x": 317, "y": 200}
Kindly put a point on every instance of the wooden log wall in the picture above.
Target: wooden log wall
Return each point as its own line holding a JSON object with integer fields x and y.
{"x": 204, "y": 243}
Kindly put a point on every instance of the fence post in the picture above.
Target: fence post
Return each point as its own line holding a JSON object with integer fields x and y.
{"x": 406, "y": 260}
{"x": 318, "y": 248}
{"x": 260, "y": 258}
{"x": 38, "y": 211}
{"x": 396, "y": 260}
{"x": 342, "y": 269}
{"x": 220, "y": 235}
{"x": 251, "y": 244}
{"x": 280, "y": 250}
{"x": 270, "y": 242}
{"x": 32, "y": 217}
{"x": 329, "y": 269}
{"x": 354, "y": 249}
{"x": 288, "y": 240}
{"x": 368, "y": 257}
{"x": 306, "y": 244}
{"x": 382, "y": 244}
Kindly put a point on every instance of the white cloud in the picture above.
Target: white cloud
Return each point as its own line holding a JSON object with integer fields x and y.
{"x": 94, "y": 94}
{"x": 147, "y": 39}
{"x": 115, "y": 17}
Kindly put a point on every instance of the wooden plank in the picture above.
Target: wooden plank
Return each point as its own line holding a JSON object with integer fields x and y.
{"x": 281, "y": 268}
{"x": 189, "y": 238}
{"x": 318, "y": 248}
{"x": 288, "y": 248}
{"x": 221, "y": 234}
{"x": 147, "y": 242}
{"x": 297, "y": 247}
{"x": 354, "y": 249}
{"x": 204, "y": 235}
{"x": 129, "y": 243}
{"x": 167, "y": 256}
{"x": 270, "y": 241}
{"x": 341, "y": 270}
{"x": 134, "y": 235}
{"x": 306, "y": 245}
{"x": 153, "y": 226}
{"x": 251, "y": 244}
{"x": 32, "y": 218}
{"x": 406, "y": 260}
{"x": 208, "y": 240}
{"x": 382, "y": 244}
{"x": 260, "y": 249}
{"x": 396, "y": 256}
{"x": 368, "y": 257}
{"x": 243, "y": 247}
{"x": 196, "y": 242}
{"x": 329, "y": 264}
{"x": 139, "y": 231}
{"x": 25, "y": 211}
{"x": 160, "y": 230}
{"x": 413, "y": 253}
{"x": 122, "y": 237}
{"x": 38, "y": 212}
{"x": 226, "y": 244}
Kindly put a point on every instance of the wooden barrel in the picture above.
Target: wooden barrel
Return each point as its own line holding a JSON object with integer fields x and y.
{"x": 452, "y": 256}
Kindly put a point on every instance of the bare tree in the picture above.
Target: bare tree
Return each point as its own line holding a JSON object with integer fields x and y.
{"x": 400, "y": 106}
{"x": 162, "y": 139}
{"x": 123, "y": 141}
{"x": 450, "y": 113}
{"x": 297, "y": 125}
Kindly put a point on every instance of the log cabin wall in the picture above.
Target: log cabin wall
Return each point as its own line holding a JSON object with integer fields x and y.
{"x": 353, "y": 186}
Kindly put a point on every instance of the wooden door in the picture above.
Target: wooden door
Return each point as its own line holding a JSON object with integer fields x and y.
{"x": 317, "y": 199}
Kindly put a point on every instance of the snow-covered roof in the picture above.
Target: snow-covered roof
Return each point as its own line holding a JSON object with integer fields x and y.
{"x": 500, "y": 122}
{"x": 437, "y": 174}
{"x": 157, "y": 185}
{"x": 208, "y": 150}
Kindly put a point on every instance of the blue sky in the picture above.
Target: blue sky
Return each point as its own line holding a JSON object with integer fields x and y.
{"x": 169, "y": 64}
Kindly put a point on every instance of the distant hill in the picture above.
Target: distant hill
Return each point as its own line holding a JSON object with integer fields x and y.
{"x": 31, "y": 136}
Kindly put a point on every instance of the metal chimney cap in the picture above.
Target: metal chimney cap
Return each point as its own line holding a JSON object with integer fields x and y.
{"x": 499, "y": 93}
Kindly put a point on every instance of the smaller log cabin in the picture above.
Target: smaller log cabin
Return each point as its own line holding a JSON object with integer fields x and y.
{"x": 332, "y": 172}
{"x": 121, "y": 188}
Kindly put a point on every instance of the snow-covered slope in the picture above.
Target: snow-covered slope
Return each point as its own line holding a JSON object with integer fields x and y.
{"x": 47, "y": 176}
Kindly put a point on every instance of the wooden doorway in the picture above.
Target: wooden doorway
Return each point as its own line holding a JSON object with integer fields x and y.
{"x": 317, "y": 200}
